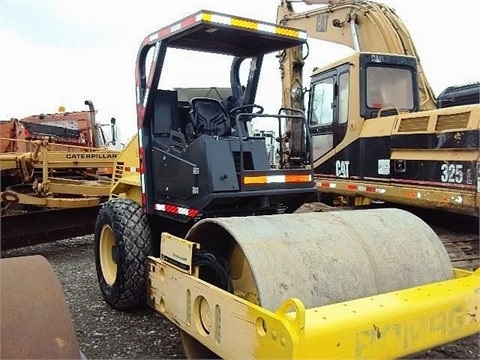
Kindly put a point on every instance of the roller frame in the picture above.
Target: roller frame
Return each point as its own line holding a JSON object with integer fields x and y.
{"x": 389, "y": 325}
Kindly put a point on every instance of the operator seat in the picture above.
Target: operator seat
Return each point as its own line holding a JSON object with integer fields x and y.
{"x": 207, "y": 116}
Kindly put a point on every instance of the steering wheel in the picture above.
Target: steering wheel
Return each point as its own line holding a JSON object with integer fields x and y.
{"x": 244, "y": 108}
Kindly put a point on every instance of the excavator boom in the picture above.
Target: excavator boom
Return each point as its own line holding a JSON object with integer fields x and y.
{"x": 365, "y": 26}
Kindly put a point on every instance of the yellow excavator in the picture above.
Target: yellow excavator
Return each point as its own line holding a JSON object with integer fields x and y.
{"x": 378, "y": 132}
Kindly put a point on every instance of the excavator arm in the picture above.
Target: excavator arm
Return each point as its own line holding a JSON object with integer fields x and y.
{"x": 362, "y": 25}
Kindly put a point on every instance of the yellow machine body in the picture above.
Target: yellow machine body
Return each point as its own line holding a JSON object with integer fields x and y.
{"x": 126, "y": 177}
{"x": 302, "y": 295}
{"x": 35, "y": 179}
{"x": 384, "y": 326}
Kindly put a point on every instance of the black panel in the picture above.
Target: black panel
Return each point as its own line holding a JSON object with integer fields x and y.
{"x": 363, "y": 156}
{"x": 459, "y": 95}
{"x": 51, "y": 130}
{"x": 173, "y": 176}
{"x": 235, "y": 41}
{"x": 451, "y": 174}
{"x": 165, "y": 113}
{"x": 446, "y": 140}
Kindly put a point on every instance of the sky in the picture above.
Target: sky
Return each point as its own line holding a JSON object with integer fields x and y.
{"x": 63, "y": 52}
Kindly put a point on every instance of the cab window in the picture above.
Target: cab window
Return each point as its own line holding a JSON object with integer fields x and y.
{"x": 389, "y": 87}
{"x": 343, "y": 92}
{"x": 322, "y": 103}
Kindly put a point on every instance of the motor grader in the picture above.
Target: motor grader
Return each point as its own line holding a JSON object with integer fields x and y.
{"x": 55, "y": 171}
{"x": 201, "y": 228}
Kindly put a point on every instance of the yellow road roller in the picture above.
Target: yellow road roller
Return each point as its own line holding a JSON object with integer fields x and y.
{"x": 202, "y": 227}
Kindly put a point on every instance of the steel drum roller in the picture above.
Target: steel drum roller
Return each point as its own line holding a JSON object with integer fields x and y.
{"x": 36, "y": 321}
{"x": 324, "y": 258}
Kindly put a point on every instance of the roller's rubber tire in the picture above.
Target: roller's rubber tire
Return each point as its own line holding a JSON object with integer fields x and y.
{"x": 123, "y": 241}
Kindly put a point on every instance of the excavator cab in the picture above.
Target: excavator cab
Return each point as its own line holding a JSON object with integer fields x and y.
{"x": 362, "y": 86}
{"x": 198, "y": 153}
{"x": 372, "y": 141}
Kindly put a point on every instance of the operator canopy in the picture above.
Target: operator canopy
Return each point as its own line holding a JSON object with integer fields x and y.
{"x": 226, "y": 34}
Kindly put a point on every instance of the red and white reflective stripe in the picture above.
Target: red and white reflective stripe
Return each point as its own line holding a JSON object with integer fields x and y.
{"x": 328, "y": 184}
{"x": 133, "y": 169}
{"x": 140, "y": 140}
{"x": 277, "y": 179}
{"x": 137, "y": 94}
{"x": 140, "y": 150}
{"x": 146, "y": 97}
{"x": 174, "y": 209}
{"x": 364, "y": 188}
{"x": 175, "y": 27}
{"x": 353, "y": 187}
{"x": 227, "y": 20}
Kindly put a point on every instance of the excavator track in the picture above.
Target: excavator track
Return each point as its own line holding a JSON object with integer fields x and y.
{"x": 459, "y": 234}
{"x": 461, "y": 247}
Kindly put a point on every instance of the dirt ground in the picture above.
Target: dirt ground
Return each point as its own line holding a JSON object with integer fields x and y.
{"x": 104, "y": 333}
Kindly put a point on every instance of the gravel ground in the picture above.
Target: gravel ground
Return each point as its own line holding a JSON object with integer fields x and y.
{"x": 104, "y": 333}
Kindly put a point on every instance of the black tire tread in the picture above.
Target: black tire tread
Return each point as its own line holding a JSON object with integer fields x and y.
{"x": 134, "y": 245}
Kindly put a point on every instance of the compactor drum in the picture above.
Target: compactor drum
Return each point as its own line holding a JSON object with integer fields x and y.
{"x": 322, "y": 258}
{"x": 325, "y": 258}
{"x": 36, "y": 321}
